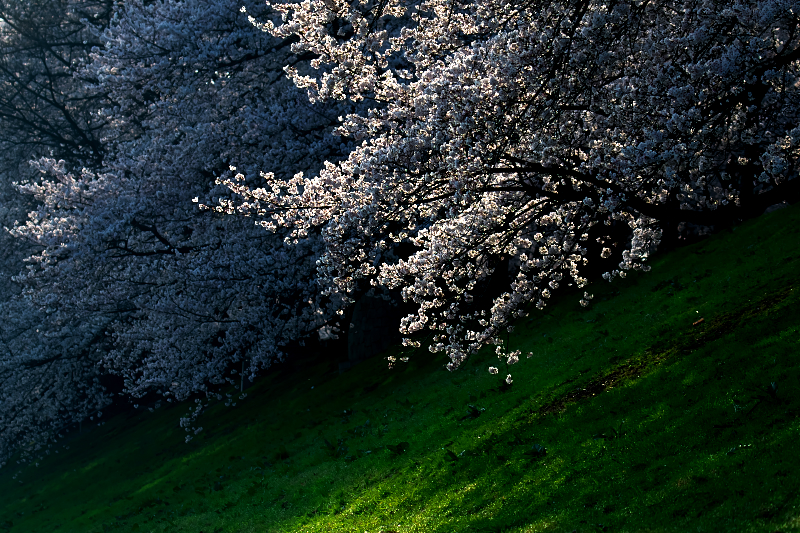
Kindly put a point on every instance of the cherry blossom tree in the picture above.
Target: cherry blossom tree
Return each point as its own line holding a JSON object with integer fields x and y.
{"x": 133, "y": 289}
{"x": 45, "y": 110}
{"x": 512, "y": 135}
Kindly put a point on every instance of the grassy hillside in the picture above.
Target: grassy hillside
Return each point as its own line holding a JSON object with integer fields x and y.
{"x": 671, "y": 404}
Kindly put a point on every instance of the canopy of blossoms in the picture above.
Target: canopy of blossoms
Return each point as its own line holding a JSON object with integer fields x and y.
{"x": 231, "y": 177}
{"x": 506, "y": 134}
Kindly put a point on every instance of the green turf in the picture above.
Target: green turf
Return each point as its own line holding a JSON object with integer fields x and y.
{"x": 628, "y": 416}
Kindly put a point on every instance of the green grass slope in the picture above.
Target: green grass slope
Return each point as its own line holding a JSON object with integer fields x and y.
{"x": 671, "y": 404}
